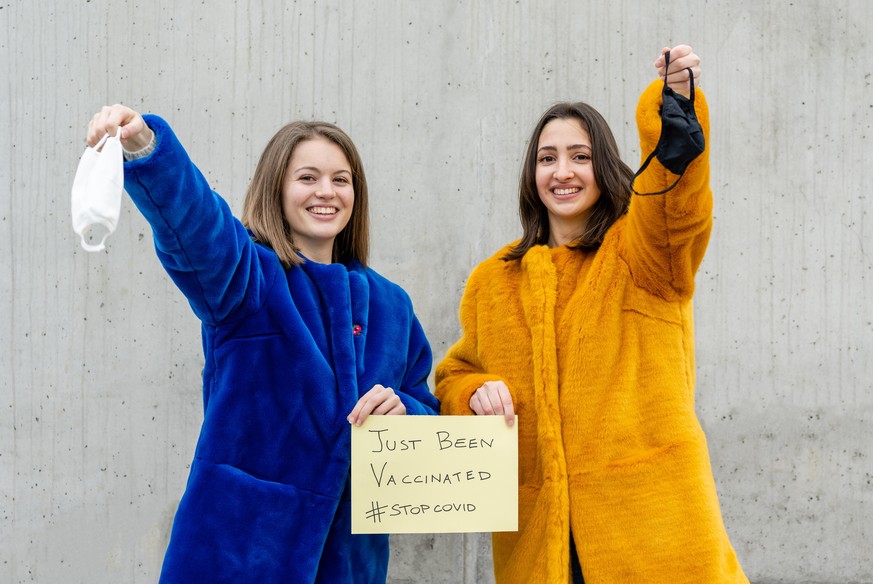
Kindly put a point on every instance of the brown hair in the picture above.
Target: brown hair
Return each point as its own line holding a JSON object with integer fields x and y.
{"x": 262, "y": 210}
{"x": 612, "y": 175}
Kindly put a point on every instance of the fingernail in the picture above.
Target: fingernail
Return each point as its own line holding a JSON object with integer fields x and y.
{"x": 351, "y": 420}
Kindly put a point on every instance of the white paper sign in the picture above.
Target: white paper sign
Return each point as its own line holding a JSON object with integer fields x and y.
{"x": 434, "y": 474}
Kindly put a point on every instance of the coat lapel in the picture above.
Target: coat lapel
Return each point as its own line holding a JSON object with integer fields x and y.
{"x": 332, "y": 282}
{"x": 538, "y": 294}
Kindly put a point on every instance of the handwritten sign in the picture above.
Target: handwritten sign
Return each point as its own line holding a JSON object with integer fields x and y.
{"x": 434, "y": 474}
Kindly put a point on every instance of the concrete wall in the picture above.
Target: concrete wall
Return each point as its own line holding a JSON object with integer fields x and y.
{"x": 100, "y": 356}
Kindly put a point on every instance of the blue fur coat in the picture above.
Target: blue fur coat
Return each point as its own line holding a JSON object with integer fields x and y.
{"x": 267, "y": 499}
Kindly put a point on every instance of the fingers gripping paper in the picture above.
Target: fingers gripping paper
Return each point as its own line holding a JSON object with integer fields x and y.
{"x": 96, "y": 193}
{"x": 434, "y": 474}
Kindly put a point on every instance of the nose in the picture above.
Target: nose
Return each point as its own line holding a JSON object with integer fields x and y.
{"x": 325, "y": 189}
{"x": 563, "y": 171}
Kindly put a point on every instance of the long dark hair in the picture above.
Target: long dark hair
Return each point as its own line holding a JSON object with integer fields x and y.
{"x": 612, "y": 175}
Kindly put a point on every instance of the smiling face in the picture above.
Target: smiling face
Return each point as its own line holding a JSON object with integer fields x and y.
{"x": 565, "y": 178}
{"x": 317, "y": 197}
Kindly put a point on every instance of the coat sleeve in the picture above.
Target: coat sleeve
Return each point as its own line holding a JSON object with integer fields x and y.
{"x": 461, "y": 373}
{"x": 414, "y": 391}
{"x": 204, "y": 248}
{"x": 667, "y": 235}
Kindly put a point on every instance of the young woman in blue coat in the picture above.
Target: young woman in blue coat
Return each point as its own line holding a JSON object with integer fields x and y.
{"x": 300, "y": 338}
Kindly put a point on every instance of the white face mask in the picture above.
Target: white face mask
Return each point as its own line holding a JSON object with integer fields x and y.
{"x": 97, "y": 191}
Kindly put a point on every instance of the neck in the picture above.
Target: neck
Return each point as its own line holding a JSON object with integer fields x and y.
{"x": 562, "y": 234}
{"x": 321, "y": 255}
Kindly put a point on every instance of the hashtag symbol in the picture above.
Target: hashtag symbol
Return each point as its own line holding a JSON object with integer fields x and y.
{"x": 376, "y": 511}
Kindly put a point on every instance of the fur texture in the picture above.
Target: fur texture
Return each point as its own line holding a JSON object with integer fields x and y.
{"x": 267, "y": 499}
{"x": 609, "y": 443}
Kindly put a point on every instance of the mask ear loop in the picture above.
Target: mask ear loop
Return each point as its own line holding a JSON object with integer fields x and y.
{"x": 102, "y": 141}
{"x": 655, "y": 151}
{"x": 92, "y": 247}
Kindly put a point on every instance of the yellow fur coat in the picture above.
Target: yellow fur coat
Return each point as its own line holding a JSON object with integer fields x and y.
{"x": 609, "y": 443}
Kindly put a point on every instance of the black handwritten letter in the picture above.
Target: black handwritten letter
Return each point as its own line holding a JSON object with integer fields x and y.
{"x": 443, "y": 438}
{"x": 381, "y": 472}
{"x": 378, "y": 434}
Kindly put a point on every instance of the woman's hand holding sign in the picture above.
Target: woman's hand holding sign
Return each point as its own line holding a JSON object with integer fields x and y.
{"x": 493, "y": 399}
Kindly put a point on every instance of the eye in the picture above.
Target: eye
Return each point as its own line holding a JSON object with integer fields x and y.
{"x": 546, "y": 159}
{"x": 306, "y": 178}
{"x": 582, "y": 157}
{"x": 342, "y": 180}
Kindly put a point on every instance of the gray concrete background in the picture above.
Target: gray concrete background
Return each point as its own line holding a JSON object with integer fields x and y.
{"x": 100, "y": 356}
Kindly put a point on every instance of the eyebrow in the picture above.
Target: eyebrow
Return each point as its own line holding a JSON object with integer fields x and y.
{"x": 571, "y": 147}
{"x": 315, "y": 169}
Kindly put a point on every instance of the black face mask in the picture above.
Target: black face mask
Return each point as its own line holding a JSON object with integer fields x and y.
{"x": 681, "y": 138}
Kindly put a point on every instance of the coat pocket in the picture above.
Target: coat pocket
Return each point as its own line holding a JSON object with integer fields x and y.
{"x": 654, "y": 518}
{"x": 642, "y": 302}
{"x": 233, "y": 527}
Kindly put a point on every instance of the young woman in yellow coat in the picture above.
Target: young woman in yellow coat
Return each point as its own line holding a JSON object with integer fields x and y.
{"x": 584, "y": 329}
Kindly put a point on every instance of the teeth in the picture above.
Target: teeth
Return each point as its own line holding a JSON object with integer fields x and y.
{"x": 566, "y": 191}
{"x": 323, "y": 210}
